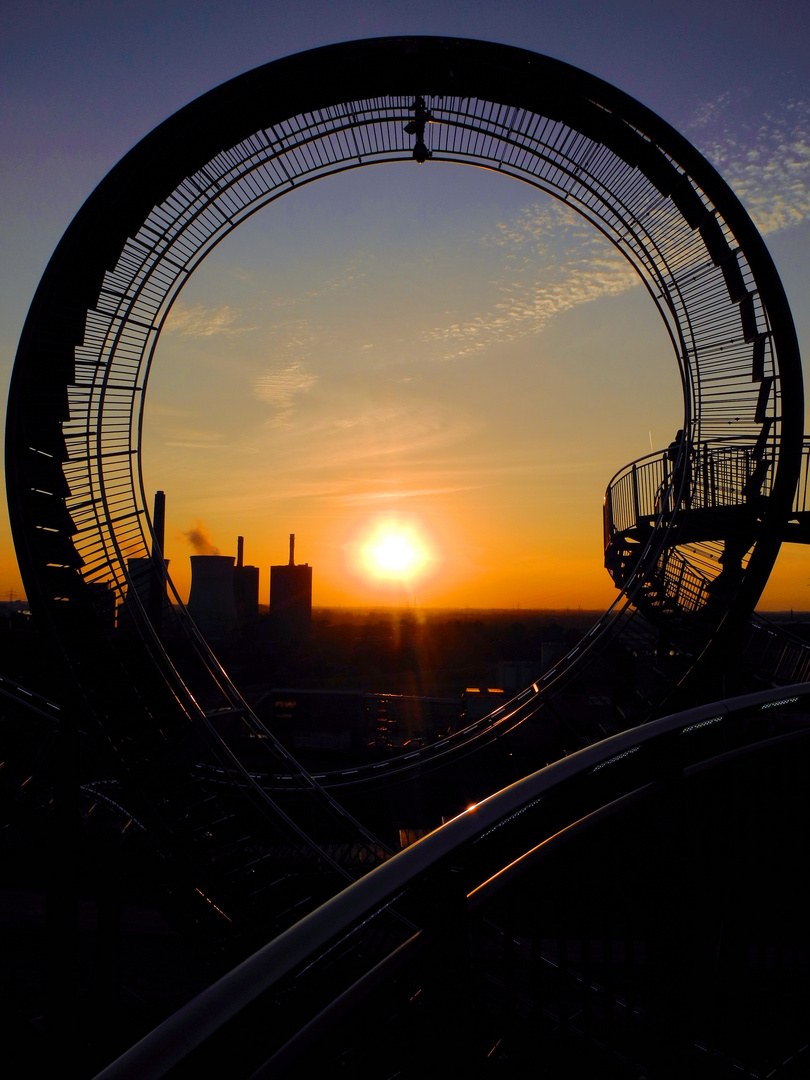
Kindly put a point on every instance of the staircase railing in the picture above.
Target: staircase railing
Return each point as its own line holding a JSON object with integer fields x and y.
{"x": 775, "y": 653}
{"x": 720, "y": 474}
{"x": 708, "y": 476}
{"x": 800, "y": 503}
{"x": 683, "y": 584}
{"x": 631, "y": 495}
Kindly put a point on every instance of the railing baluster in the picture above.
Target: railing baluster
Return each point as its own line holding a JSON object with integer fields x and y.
{"x": 720, "y": 477}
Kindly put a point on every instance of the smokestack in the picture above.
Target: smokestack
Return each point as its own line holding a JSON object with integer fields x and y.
{"x": 157, "y": 576}
{"x": 291, "y": 597}
{"x": 159, "y": 524}
{"x": 245, "y": 587}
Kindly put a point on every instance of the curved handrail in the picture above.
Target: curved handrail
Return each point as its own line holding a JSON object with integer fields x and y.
{"x": 714, "y": 474}
{"x": 31, "y": 701}
{"x": 302, "y": 945}
{"x": 710, "y": 494}
{"x": 775, "y": 652}
{"x": 720, "y": 474}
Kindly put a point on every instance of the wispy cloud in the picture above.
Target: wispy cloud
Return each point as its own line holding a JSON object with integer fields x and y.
{"x": 187, "y": 438}
{"x": 197, "y": 320}
{"x": 553, "y": 261}
{"x": 349, "y": 276}
{"x": 419, "y": 481}
{"x": 766, "y": 160}
{"x": 280, "y": 387}
{"x": 166, "y": 410}
{"x": 389, "y": 497}
{"x": 402, "y": 432}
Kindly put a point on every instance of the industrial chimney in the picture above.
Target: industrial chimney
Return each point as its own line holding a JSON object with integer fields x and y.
{"x": 146, "y": 578}
{"x": 291, "y": 596}
{"x": 245, "y": 587}
{"x": 157, "y": 585}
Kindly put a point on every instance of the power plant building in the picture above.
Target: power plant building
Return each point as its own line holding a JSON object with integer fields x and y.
{"x": 223, "y": 597}
{"x": 245, "y": 587}
{"x": 291, "y": 595}
{"x": 147, "y": 578}
{"x": 211, "y": 599}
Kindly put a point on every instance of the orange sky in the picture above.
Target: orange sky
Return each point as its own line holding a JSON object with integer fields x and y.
{"x": 437, "y": 346}
{"x": 452, "y": 355}
{"x": 463, "y": 370}
{"x": 474, "y": 372}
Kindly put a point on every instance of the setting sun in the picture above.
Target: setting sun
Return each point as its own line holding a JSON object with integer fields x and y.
{"x": 394, "y": 555}
{"x": 393, "y": 551}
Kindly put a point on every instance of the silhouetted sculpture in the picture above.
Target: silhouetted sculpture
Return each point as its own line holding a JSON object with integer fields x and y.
{"x": 417, "y": 127}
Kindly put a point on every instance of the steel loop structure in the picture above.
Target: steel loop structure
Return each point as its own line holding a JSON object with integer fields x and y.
{"x": 75, "y": 418}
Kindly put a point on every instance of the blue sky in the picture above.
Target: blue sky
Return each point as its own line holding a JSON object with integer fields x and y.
{"x": 294, "y": 312}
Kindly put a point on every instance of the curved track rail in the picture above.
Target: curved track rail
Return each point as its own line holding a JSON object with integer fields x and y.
{"x": 437, "y": 896}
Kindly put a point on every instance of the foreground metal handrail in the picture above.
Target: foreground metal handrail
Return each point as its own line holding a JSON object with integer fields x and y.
{"x": 190, "y": 1026}
{"x": 31, "y": 701}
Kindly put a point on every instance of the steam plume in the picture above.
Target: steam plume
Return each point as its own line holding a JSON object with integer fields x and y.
{"x": 200, "y": 540}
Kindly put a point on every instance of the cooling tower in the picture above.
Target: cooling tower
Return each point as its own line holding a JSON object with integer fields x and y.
{"x": 211, "y": 602}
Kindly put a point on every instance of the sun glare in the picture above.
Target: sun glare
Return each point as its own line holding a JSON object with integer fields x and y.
{"x": 393, "y": 551}
{"x": 394, "y": 554}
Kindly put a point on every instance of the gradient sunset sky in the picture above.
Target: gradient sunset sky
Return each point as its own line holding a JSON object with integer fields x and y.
{"x": 432, "y": 348}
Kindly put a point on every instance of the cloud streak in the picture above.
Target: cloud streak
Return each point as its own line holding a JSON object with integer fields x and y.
{"x": 280, "y": 388}
{"x": 188, "y": 438}
{"x": 766, "y": 161}
{"x": 197, "y": 320}
{"x": 553, "y": 261}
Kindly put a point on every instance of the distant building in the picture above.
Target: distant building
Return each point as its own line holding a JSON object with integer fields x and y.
{"x": 245, "y": 587}
{"x": 211, "y": 601}
{"x": 479, "y": 701}
{"x": 223, "y": 597}
{"x": 291, "y": 596}
{"x": 146, "y": 582}
{"x": 140, "y": 579}
{"x": 340, "y": 720}
{"x": 550, "y": 653}
{"x": 104, "y": 598}
{"x": 516, "y": 675}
